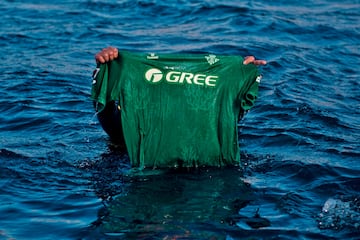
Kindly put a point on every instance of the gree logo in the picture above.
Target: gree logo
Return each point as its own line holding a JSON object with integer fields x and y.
{"x": 155, "y": 75}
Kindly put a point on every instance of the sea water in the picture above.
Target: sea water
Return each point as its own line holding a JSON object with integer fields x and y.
{"x": 61, "y": 177}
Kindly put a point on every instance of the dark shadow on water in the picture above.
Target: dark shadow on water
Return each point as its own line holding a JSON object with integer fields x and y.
{"x": 214, "y": 203}
{"x": 201, "y": 203}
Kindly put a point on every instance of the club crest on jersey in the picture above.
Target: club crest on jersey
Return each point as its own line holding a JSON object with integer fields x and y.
{"x": 212, "y": 59}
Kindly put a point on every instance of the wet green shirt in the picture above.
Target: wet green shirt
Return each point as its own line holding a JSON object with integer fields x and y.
{"x": 178, "y": 109}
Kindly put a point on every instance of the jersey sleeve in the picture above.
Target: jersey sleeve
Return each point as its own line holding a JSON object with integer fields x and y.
{"x": 106, "y": 78}
{"x": 249, "y": 90}
{"x": 99, "y": 87}
{"x": 249, "y": 98}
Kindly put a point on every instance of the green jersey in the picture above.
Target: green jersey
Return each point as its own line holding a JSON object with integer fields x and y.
{"x": 178, "y": 109}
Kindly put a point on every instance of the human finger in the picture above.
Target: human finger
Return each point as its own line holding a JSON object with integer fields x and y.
{"x": 99, "y": 58}
{"x": 113, "y": 51}
{"x": 260, "y": 62}
{"x": 102, "y": 56}
{"x": 110, "y": 53}
{"x": 249, "y": 59}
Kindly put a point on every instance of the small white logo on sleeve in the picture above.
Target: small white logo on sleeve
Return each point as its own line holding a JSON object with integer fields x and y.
{"x": 95, "y": 73}
{"x": 258, "y": 79}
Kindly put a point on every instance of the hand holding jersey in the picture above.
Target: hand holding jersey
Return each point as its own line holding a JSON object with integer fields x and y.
{"x": 177, "y": 109}
{"x": 110, "y": 53}
{"x": 106, "y": 55}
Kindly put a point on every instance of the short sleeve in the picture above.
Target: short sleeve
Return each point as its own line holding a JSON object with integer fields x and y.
{"x": 99, "y": 90}
{"x": 250, "y": 96}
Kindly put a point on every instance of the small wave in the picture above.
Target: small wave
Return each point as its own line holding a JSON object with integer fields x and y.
{"x": 8, "y": 154}
{"x": 339, "y": 213}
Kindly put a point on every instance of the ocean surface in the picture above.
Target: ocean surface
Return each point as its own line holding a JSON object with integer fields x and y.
{"x": 62, "y": 178}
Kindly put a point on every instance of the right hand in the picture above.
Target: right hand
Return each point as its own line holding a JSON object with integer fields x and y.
{"x": 251, "y": 59}
{"x": 106, "y": 55}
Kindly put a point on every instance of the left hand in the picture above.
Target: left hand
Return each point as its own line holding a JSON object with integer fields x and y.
{"x": 251, "y": 59}
{"x": 106, "y": 55}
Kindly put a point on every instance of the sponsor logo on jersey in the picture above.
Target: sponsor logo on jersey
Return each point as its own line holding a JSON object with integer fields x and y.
{"x": 154, "y": 75}
{"x": 152, "y": 56}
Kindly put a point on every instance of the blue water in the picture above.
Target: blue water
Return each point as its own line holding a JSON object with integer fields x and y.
{"x": 61, "y": 177}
